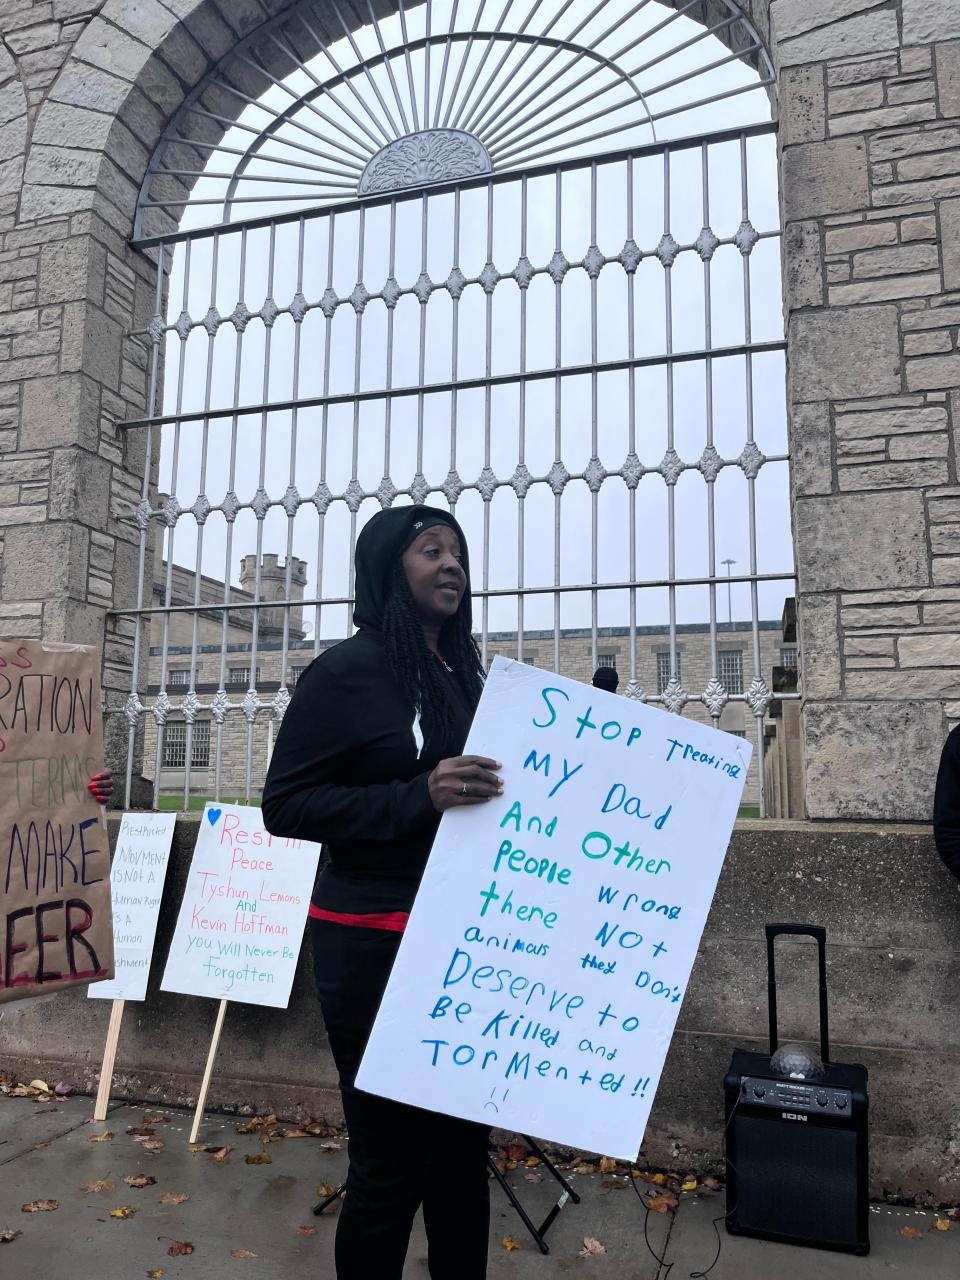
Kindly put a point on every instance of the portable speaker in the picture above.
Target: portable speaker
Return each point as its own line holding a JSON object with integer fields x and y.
{"x": 797, "y": 1168}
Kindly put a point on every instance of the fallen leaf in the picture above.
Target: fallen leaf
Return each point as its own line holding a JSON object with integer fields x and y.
{"x": 515, "y": 1151}
{"x": 197, "y": 1148}
{"x": 39, "y": 1146}
{"x": 584, "y": 1168}
{"x": 261, "y": 1158}
{"x": 159, "y": 1118}
{"x": 258, "y": 1122}
{"x": 658, "y": 1179}
{"x": 712, "y": 1184}
{"x": 40, "y": 1085}
{"x": 324, "y": 1190}
{"x": 911, "y": 1233}
{"x": 510, "y": 1244}
{"x": 510, "y": 1165}
{"x": 318, "y": 1130}
{"x": 98, "y": 1185}
{"x": 591, "y": 1248}
{"x": 690, "y": 1184}
{"x": 609, "y": 1184}
{"x": 295, "y": 1133}
{"x": 62, "y": 1089}
{"x": 139, "y": 1180}
{"x": 174, "y": 1197}
{"x": 241, "y": 1253}
{"x": 8, "y": 1236}
{"x": 306, "y": 1231}
{"x": 150, "y": 1144}
{"x": 533, "y": 1177}
{"x": 40, "y": 1206}
{"x": 140, "y": 1131}
{"x": 101, "y": 1137}
{"x": 662, "y": 1203}
{"x": 608, "y": 1164}
{"x": 156, "y": 1273}
{"x": 123, "y": 1211}
{"x": 943, "y": 1224}
{"x": 180, "y": 1249}
{"x": 330, "y": 1146}
{"x": 532, "y": 1161}
{"x": 220, "y": 1155}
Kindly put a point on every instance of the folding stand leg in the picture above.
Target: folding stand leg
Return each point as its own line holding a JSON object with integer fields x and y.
{"x": 511, "y": 1195}
{"x": 568, "y": 1191}
{"x": 327, "y": 1201}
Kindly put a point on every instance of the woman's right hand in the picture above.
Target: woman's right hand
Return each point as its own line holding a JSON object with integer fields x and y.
{"x": 464, "y": 780}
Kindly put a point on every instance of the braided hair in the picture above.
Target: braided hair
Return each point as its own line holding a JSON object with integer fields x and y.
{"x": 417, "y": 671}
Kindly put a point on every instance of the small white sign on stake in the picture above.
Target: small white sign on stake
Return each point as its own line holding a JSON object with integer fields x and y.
{"x": 243, "y": 911}
{"x": 541, "y": 974}
{"x": 137, "y": 874}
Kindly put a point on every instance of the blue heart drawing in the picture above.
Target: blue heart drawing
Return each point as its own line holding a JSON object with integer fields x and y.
{"x": 213, "y": 816}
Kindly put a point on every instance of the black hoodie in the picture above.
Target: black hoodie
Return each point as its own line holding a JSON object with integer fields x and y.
{"x": 346, "y": 768}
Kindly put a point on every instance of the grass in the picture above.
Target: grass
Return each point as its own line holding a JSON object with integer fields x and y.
{"x": 174, "y": 804}
{"x": 749, "y": 811}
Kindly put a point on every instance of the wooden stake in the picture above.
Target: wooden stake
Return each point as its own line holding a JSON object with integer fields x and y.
{"x": 109, "y": 1057}
{"x": 208, "y": 1071}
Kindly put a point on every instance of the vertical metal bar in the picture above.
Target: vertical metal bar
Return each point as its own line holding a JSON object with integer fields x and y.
{"x": 140, "y": 624}
{"x": 467, "y": 47}
{"x": 455, "y": 342}
{"x": 631, "y": 283}
{"x": 671, "y": 489}
{"x": 294, "y": 424}
{"x": 487, "y": 426}
{"x": 172, "y": 529}
{"x": 422, "y": 352}
{"x": 594, "y": 440}
{"x": 708, "y": 395}
{"x": 522, "y": 428}
{"x": 751, "y": 482}
{"x": 388, "y": 377}
{"x": 557, "y": 421}
{"x": 388, "y": 67}
{"x": 358, "y": 349}
{"x": 202, "y": 488}
{"x": 427, "y": 53}
{"x": 251, "y": 694}
{"x": 366, "y": 70}
{"x": 221, "y": 695}
{"x": 324, "y": 424}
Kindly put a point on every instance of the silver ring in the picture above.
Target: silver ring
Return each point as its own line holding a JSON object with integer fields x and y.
{"x": 463, "y": 789}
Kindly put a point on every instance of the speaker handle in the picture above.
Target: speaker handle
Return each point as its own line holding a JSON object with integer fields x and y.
{"x": 819, "y": 934}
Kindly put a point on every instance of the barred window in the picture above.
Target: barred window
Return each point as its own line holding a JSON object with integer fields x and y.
{"x": 731, "y": 670}
{"x": 606, "y": 660}
{"x": 663, "y": 671}
{"x": 175, "y": 745}
{"x": 241, "y": 676}
{"x": 788, "y": 657}
{"x": 296, "y": 673}
{"x": 179, "y": 677}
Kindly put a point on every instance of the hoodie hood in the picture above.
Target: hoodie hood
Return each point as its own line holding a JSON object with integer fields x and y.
{"x": 382, "y": 541}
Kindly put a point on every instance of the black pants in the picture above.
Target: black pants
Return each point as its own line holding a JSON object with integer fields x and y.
{"x": 401, "y": 1157}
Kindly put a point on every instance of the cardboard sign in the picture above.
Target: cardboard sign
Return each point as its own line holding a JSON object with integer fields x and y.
{"x": 541, "y": 973}
{"x": 137, "y": 875}
{"x": 241, "y": 920}
{"x": 55, "y": 925}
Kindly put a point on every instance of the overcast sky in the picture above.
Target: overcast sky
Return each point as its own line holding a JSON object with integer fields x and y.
{"x": 362, "y": 436}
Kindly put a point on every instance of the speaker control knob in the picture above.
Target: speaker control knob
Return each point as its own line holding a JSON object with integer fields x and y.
{"x": 822, "y": 1099}
{"x": 758, "y": 1092}
{"x": 841, "y": 1104}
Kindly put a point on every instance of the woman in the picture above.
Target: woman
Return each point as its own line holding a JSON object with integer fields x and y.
{"x": 367, "y": 759}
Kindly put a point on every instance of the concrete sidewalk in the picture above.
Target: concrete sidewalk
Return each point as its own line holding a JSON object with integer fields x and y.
{"x": 46, "y": 1153}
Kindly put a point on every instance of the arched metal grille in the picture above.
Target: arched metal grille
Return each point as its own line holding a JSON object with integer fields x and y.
{"x": 583, "y": 358}
{"x": 442, "y": 91}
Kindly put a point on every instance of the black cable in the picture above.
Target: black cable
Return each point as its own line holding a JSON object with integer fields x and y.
{"x": 661, "y": 1261}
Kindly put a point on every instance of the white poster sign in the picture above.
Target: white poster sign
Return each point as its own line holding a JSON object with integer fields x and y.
{"x": 541, "y": 973}
{"x": 241, "y": 920}
{"x": 137, "y": 874}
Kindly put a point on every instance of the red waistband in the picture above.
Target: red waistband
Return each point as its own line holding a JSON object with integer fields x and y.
{"x": 396, "y": 920}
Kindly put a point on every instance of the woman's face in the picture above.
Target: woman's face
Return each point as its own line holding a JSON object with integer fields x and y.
{"x": 435, "y": 573}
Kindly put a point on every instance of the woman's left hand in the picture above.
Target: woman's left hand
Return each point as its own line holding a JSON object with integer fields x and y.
{"x": 100, "y": 786}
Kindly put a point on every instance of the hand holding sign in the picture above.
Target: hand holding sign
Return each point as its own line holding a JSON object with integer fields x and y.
{"x": 542, "y": 970}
